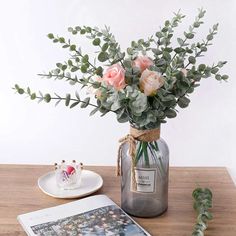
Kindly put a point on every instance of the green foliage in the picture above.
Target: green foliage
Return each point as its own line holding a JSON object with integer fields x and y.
{"x": 202, "y": 204}
{"x": 68, "y": 99}
{"x": 170, "y": 113}
{"x": 85, "y": 103}
{"x": 96, "y": 41}
{"x": 192, "y": 60}
{"x": 178, "y": 67}
{"x": 183, "y": 102}
{"x": 47, "y": 98}
{"x": 103, "y": 56}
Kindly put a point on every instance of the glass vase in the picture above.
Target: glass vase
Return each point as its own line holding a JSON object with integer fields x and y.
{"x": 149, "y": 198}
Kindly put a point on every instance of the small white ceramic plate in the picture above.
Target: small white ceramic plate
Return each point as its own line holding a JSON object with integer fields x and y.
{"x": 90, "y": 183}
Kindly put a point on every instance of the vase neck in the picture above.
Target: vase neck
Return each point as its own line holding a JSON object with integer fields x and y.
{"x": 148, "y": 135}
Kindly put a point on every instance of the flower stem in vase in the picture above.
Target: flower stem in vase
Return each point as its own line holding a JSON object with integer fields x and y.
{"x": 145, "y": 152}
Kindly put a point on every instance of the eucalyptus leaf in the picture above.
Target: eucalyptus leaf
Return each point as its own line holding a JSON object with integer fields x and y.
{"x": 170, "y": 113}
{"x": 67, "y": 100}
{"x": 47, "y": 97}
{"x": 103, "y": 56}
{"x": 94, "y": 111}
{"x": 183, "y": 102}
{"x": 85, "y": 103}
{"x": 74, "y": 104}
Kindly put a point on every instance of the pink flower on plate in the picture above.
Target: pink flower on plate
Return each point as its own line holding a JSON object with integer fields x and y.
{"x": 150, "y": 82}
{"x": 115, "y": 76}
{"x": 70, "y": 170}
{"x": 142, "y": 62}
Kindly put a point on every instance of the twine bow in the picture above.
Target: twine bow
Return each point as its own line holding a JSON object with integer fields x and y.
{"x": 135, "y": 134}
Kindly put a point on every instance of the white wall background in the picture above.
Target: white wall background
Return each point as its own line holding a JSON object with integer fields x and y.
{"x": 201, "y": 135}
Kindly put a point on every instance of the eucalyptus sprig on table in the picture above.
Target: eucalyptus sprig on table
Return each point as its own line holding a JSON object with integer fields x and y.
{"x": 202, "y": 204}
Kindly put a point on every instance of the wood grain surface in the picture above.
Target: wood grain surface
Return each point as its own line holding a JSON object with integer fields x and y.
{"x": 19, "y": 194}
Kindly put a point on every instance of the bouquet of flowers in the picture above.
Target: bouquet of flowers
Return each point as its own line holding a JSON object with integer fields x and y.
{"x": 143, "y": 85}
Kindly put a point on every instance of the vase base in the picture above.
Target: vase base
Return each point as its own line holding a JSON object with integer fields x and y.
{"x": 142, "y": 214}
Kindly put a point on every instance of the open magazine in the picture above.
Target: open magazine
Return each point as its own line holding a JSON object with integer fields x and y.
{"x": 92, "y": 216}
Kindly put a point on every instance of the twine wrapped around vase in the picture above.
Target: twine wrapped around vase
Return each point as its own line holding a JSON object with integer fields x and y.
{"x": 135, "y": 135}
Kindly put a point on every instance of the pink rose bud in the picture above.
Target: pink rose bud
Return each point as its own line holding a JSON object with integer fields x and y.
{"x": 98, "y": 94}
{"x": 150, "y": 82}
{"x": 115, "y": 76}
{"x": 142, "y": 62}
{"x": 184, "y": 71}
{"x": 92, "y": 91}
{"x": 98, "y": 79}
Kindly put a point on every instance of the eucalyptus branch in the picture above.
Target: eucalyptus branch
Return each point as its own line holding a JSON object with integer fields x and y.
{"x": 196, "y": 75}
{"x": 109, "y": 48}
{"x": 139, "y": 46}
{"x": 182, "y": 50}
{"x": 202, "y": 47}
{"x": 202, "y": 204}
{"x": 69, "y": 101}
{"x": 163, "y": 39}
{"x": 166, "y": 32}
{"x": 73, "y": 48}
{"x": 84, "y": 81}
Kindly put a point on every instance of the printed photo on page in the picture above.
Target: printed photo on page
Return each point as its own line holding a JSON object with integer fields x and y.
{"x": 108, "y": 219}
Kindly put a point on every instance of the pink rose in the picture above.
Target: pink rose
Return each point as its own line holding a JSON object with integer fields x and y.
{"x": 150, "y": 82}
{"x": 115, "y": 76}
{"x": 142, "y": 62}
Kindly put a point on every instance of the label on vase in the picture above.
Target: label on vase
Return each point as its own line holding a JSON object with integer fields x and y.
{"x": 145, "y": 180}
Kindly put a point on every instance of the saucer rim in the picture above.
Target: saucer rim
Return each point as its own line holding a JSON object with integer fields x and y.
{"x": 72, "y": 196}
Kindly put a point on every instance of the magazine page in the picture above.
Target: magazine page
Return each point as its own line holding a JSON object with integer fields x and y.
{"x": 96, "y": 215}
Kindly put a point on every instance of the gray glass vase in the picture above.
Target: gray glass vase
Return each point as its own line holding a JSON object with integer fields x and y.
{"x": 151, "y": 171}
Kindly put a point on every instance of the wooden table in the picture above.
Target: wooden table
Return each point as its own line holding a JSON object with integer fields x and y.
{"x": 19, "y": 194}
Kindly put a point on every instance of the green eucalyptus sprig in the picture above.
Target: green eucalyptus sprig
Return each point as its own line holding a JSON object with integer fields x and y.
{"x": 68, "y": 100}
{"x": 108, "y": 48}
{"x": 202, "y": 204}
